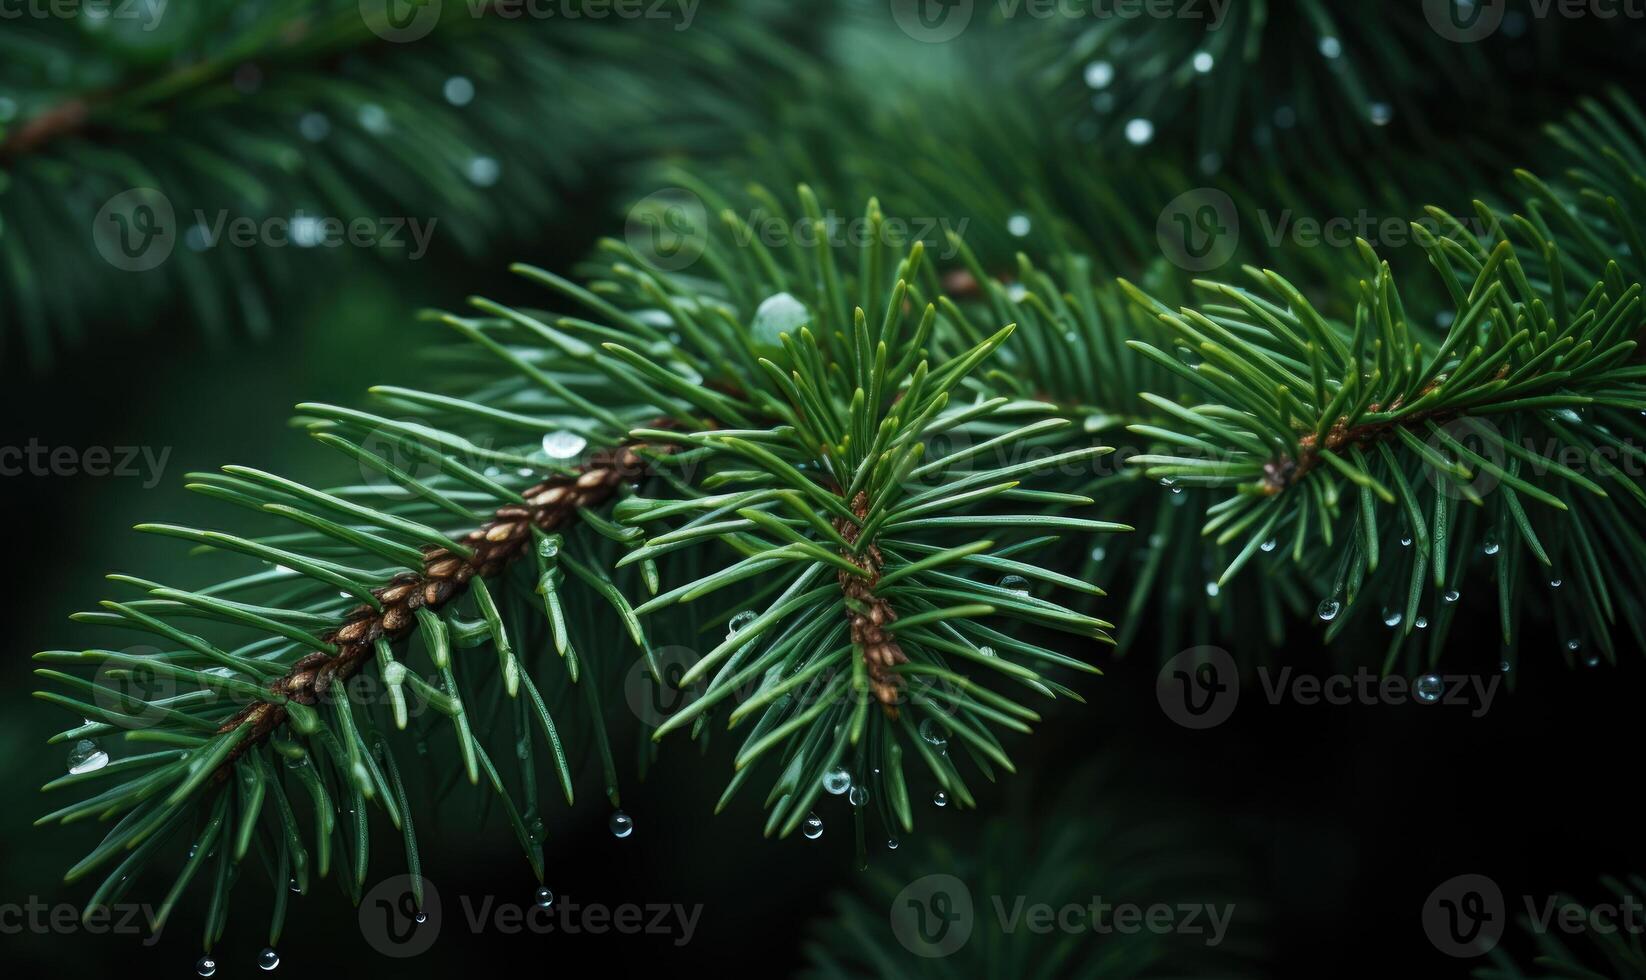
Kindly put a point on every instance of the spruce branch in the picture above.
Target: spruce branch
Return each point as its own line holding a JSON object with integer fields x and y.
{"x": 777, "y": 412}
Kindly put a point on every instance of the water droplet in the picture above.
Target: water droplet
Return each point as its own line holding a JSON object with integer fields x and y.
{"x": 1450, "y": 596}
{"x": 563, "y": 445}
{"x": 314, "y": 126}
{"x": 1019, "y": 225}
{"x": 1328, "y": 609}
{"x": 837, "y": 781}
{"x": 268, "y": 959}
{"x": 1382, "y": 113}
{"x": 1099, "y": 553}
{"x": 1574, "y": 644}
{"x": 1203, "y": 61}
{"x": 1331, "y": 47}
{"x": 294, "y": 887}
{"x": 1421, "y": 622}
{"x": 459, "y": 91}
{"x": 1269, "y": 545}
{"x": 1429, "y": 687}
{"x": 940, "y": 798}
{"x": 1015, "y": 583}
{"x": 86, "y": 757}
{"x": 421, "y": 917}
{"x": 205, "y": 966}
{"x": 739, "y": 621}
{"x": 544, "y": 897}
{"x": 1212, "y": 589}
{"x": 483, "y": 171}
{"x": 1139, "y": 131}
{"x": 1554, "y": 583}
{"x": 1099, "y": 74}
{"x": 1503, "y": 666}
{"x": 1406, "y": 541}
{"x": 1391, "y": 616}
{"x": 934, "y": 733}
{"x": 536, "y": 831}
{"x": 1490, "y": 546}
{"x": 1593, "y": 660}
{"x": 622, "y": 824}
{"x": 374, "y": 120}
{"x": 891, "y": 843}
{"x": 858, "y": 796}
{"x": 813, "y": 827}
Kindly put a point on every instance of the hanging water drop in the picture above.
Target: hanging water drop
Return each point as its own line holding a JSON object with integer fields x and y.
{"x": 421, "y": 917}
{"x": 268, "y": 959}
{"x": 1592, "y": 661}
{"x": 483, "y": 171}
{"x": 1503, "y": 667}
{"x": 1391, "y": 616}
{"x": 1382, "y": 113}
{"x": 86, "y": 757}
{"x": 314, "y": 126}
{"x": 1490, "y": 546}
{"x": 813, "y": 827}
{"x": 934, "y": 733}
{"x": 891, "y": 843}
{"x": 1574, "y": 644}
{"x": 739, "y": 621}
{"x": 1269, "y": 545}
{"x": 1099, "y": 553}
{"x": 1450, "y": 596}
{"x": 535, "y": 830}
{"x": 1328, "y": 609}
{"x": 459, "y": 91}
{"x": 1331, "y": 47}
{"x": 1099, "y": 74}
{"x": 1139, "y": 131}
{"x": 837, "y": 781}
{"x": 1429, "y": 687}
{"x": 1203, "y": 61}
{"x": 1406, "y": 541}
{"x": 1554, "y": 583}
{"x": 1421, "y": 622}
{"x": 544, "y": 897}
{"x": 858, "y": 796}
{"x": 622, "y": 825}
{"x": 205, "y": 966}
{"x": 375, "y": 121}
{"x": 940, "y": 798}
{"x": 1212, "y": 589}
{"x": 1019, "y": 225}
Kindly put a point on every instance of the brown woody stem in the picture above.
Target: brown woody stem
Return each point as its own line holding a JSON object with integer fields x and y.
{"x": 445, "y": 576}
{"x": 869, "y": 613}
